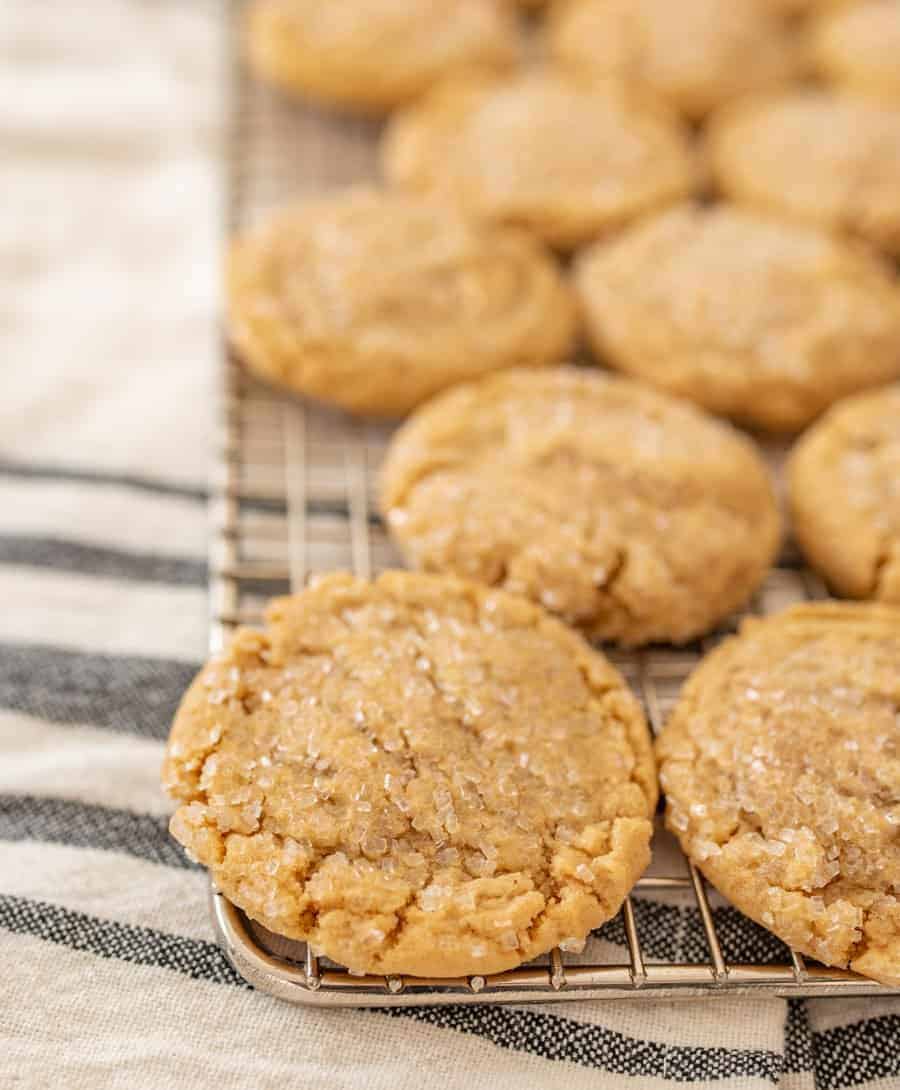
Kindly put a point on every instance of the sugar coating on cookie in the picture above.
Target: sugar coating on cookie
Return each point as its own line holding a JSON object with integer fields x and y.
{"x": 816, "y": 156}
{"x": 781, "y": 769}
{"x": 695, "y": 54}
{"x": 374, "y": 55}
{"x": 415, "y": 775}
{"x": 859, "y": 47}
{"x": 752, "y": 317}
{"x": 844, "y": 478}
{"x": 374, "y": 301}
{"x": 629, "y": 513}
{"x": 543, "y": 150}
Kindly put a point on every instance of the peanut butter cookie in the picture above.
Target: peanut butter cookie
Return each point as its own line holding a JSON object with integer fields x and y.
{"x": 859, "y": 48}
{"x": 845, "y": 495}
{"x": 373, "y": 55}
{"x": 374, "y": 301}
{"x": 762, "y": 320}
{"x": 542, "y": 150}
{"x": 415, "y": 775}
{"x": 695, "y": 54}
{"x": 781, "y": 768}
{"x": 814, "y": 156}
{"x": 627, "y": 512}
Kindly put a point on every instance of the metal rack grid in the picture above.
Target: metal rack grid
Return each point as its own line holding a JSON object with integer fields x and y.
{"x": 293, "y": 494}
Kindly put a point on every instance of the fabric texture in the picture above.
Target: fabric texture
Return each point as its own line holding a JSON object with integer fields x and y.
{"x": 109, "y": 976}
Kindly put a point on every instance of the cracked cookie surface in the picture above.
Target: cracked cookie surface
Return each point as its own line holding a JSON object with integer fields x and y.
{"x": 373, "y": 55}
{"x": 816, "y": 156}
{"x": 781, "y": 769}
{"x": 694, "y": 55}
{"x": 629, "y": 513}
{"x": 563, "y": 158}
{"x": 758, "y": 319}
{"x": 844, "y": 476}
{"x": 416, "y": 775}
{"x": 375, "y": 301}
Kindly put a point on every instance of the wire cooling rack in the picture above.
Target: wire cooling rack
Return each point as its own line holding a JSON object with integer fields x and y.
{"x": 293, "y": 494}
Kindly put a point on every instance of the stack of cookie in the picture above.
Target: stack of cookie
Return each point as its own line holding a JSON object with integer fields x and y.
{"x": 435, "y": 773}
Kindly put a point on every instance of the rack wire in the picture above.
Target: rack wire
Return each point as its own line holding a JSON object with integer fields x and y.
{"x": 292, "y": 494}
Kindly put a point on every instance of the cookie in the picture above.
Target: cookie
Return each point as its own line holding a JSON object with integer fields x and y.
{"x": 374, "y": 301}
{"x": 543, "y": 151}
{"x": 759, "y": 319}
{"x": 814, "y": 156}
{"x": 694, "y": 55}
{"x": 374, "y": 55}
{"x": 859, "y": 48}
{"x": 844, "y": 479}
{"x": 628, "y": 513}
{"x": 415, "y": 775}
{"x": 781, "y": 769}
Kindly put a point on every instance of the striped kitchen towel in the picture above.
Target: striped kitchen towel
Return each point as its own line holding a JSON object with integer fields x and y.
{"x": 108, "y": 973}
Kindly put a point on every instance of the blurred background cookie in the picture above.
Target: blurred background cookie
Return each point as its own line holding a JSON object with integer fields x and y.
{"x": 695, "y": 54}
{"x": 629, "y": 513}
{"x": 859, "y": 48}
{"x": 756, "y": 318}
{"x": 374, "y": 301}
{"x": 567, "y": 160}
{"x": 780, "y": 769}
{"x": 845, "y": 495}
{"x": 816, "y": 156}
{"x": 373, "y": 55}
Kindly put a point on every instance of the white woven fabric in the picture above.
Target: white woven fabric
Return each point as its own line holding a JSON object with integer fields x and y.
{"x": 111, "y": 121}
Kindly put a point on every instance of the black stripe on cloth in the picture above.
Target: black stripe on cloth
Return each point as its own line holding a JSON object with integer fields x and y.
{"x": 861, "y": 1052}
{"x": 122, "y": 942}
{"x": 675, "y": 933}
{"x": 338, "y": 509}
{"x": 46, "y": 471}
{"x": 551, "y": 1037}
{"x": 43, "y": 471}
{"x": 85, "y": 825}
{"x": 843, "y": 1056}
{"x": 73, "y": 556}
{"x": 124, "y": 693}
{"x": 798, "y": 1050}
